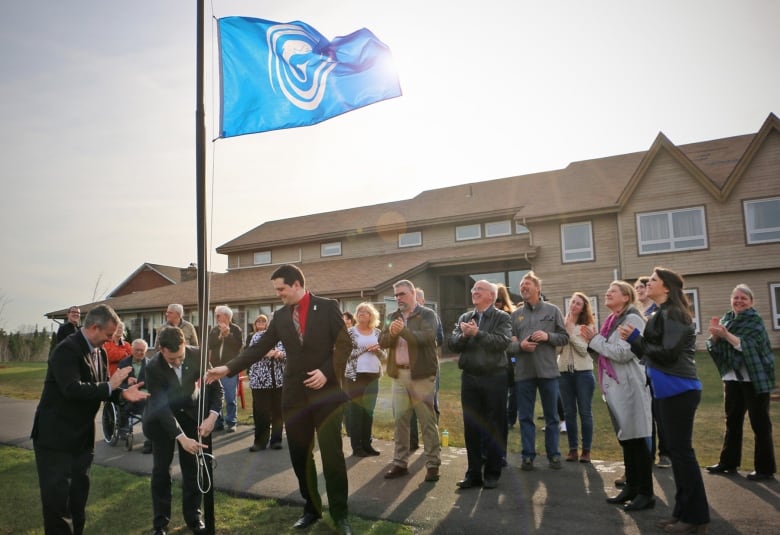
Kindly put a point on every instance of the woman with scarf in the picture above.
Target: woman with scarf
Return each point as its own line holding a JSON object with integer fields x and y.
{"x": 667, "y": 347}
{"x": 623, "y": 381}
{"x": 739, "y": 345}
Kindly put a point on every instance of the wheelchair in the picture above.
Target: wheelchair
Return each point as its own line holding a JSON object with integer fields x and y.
{"x": 115, "y": 413}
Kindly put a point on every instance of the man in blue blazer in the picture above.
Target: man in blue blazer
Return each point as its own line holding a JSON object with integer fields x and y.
{"x": 313, "y": 332}
{"x": 171, "y": 417}
{"x": 63, "y": 431}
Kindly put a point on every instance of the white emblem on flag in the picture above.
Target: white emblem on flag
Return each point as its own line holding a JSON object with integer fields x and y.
{"x": 292, "y": 66}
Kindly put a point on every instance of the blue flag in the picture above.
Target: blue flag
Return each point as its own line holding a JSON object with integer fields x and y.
{"x": 283, "y": 75}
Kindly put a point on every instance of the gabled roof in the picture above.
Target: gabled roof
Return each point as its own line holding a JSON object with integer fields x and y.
{"x": 171, "y": 274}
{"x": 337, "y": 278}
{"x": 584, "y": 188}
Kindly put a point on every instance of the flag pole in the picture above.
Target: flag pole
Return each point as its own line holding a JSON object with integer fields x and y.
{"x": 203, "y": 280}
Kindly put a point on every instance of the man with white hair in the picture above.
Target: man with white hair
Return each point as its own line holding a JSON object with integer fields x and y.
{"x": 174, "y": 317}
{"x": 225, "y": 343}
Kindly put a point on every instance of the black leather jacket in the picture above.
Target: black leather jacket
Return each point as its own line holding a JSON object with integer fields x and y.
{"x": 667, "y": 344}
{"x": 484, "y": 353}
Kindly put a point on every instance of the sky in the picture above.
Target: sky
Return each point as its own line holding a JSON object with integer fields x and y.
{"x": 97, "y": 101}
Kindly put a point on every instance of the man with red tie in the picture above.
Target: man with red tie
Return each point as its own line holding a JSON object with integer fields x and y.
{"x": 317, "y": 343}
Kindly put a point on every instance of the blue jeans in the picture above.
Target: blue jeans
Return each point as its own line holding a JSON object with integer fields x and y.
{"x": 526, "y": 399}
{"x": 230, "y": 384}
{"x": 577, "y": 394}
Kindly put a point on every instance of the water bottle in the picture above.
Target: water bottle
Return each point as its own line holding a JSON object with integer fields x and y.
{"x": 445, "y": 438}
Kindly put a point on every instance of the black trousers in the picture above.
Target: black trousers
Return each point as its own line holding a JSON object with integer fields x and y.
{"x": 677, "y": 416}
{"x": 267, "y": 413}
{"x": 483, "y": 400}
{"x": 162, "y": 457}
{"x": 301, "y": 422}
{"x": 362, "y": 394}
{"x": 64, "y": 481}
{"x": 639, "y": 465}
{"x": 740, "y": 397}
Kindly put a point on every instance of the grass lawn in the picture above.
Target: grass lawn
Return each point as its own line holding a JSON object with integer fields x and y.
{"x": 122, "y": 501}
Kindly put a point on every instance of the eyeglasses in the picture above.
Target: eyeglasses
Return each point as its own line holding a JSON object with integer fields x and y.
{"x": 400, "y": 294}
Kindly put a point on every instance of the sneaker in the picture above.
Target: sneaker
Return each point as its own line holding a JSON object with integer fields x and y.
{"x": 528, "y": 464}
{"x": 664, "y": 462}
{"x": 563, "y": 427}
{"x": 230, "y": 429}
{"x": 555, "y": 462}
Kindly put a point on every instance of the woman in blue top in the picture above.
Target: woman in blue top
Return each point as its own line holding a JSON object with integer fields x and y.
{"x": 667, "y": 348}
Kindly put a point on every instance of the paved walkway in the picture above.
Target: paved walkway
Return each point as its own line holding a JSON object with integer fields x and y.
{"x": 544, "y": 501}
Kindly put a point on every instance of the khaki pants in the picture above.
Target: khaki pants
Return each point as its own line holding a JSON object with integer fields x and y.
{"x": 415, "y": 395}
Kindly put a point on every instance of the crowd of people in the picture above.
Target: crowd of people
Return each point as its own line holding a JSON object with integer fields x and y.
{"x": 313, "y": 367}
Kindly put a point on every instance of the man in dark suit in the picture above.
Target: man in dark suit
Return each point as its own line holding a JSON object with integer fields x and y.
{"x": 317, "y": 343}
{"x": 171, "y": 416}
{"x": 64, "y": 427}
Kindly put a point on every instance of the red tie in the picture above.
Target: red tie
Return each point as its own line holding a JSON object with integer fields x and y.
{"x": 296, "y": 317}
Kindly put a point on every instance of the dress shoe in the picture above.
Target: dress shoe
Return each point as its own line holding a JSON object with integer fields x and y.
{"x": 197, "y": 527}
{"x": 490, "y": 483}
{"x": 585, "y": 457}
{"x": 396, "y": 471}
{"x": 572, "y": 457}
{"x": 684, "y": 527}
{"x": 469, "y": 483}
{"x": 160, "y": 531}
{"x": 721, "y": 469}
{"x": 359, "y": 453}
{"x": 758, "y": 476}
{"x": 432, "y": 474}
{"x": 642, "y": 501}
{"x": 664, "y": 462}
{"x": 628, "y": 493}
{"x": 372, "y": 452}
{"x": 344, "y": 527}
{"x": 276, "y": 445}
{"x": 667, "y": 522}
{"x": 308, "y": 519}
{"x": 257, "y": 446}
{"x": 621, "y": 481}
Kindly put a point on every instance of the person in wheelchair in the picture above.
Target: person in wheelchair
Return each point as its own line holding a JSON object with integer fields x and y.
{"x": 137, "y": 360}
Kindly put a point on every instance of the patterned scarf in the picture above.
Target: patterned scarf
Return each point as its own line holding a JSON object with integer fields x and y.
{"x": 604, "y": 364}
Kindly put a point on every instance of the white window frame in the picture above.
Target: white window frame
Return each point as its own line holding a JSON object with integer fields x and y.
{"x": 570, "y": 255}
{"x": 594, "y": 307}
{"x": 261, "y": 257}
{"x": 466, "y": 232}
{"x": 754, "y": 234}
{"x": 774, "y": 298}
{"x": 494, "y": 229}
{"x": 409, "y": 239}
{"x": 330, "y": 249}
{"x": 671, "y": 241}
{"x": 693, "y": 298}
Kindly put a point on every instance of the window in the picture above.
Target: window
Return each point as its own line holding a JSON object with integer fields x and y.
{"x": 594, "y": 307}
{"x": 521, "y": 229}
{"x": 330, "y": 249}
{"x": 762, "y": 220}
{"x": 675, "y": 230}
{"x": 577, "y": 242}
{"x": 263, "y": 257}
{"x": 774, "y": 296}
{"x": 498, "y": 228}
{"x": 410, "y": 239}
{"x": 693, "y": 301}
{"x": 468, "y": 232}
